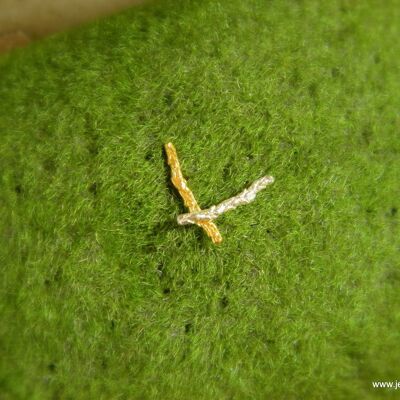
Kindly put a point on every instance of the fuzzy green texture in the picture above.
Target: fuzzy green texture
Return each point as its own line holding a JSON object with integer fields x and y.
{"x": 104, "y": 296}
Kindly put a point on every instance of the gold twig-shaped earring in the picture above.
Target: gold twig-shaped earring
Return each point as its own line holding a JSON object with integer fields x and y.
{"x": 203, "y": 218}
{"x": 190, "y": 202}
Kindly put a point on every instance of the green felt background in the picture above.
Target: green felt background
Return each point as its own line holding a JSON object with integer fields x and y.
{"x": 103, "y": 296}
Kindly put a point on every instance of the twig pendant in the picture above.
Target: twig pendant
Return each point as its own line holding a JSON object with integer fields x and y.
{"x": 203, "y": 218}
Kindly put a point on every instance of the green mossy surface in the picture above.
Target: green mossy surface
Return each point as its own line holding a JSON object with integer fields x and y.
{"x": 104, "y": 296}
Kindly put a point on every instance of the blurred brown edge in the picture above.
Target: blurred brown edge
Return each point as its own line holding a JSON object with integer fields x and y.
{"x": 18, "y": 38}
{"x": 11, "y": 40}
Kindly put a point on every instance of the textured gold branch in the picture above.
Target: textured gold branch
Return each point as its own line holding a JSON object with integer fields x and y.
{"x": 188, "y": 198}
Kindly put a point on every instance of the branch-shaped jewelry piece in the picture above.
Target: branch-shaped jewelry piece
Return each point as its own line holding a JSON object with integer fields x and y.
{"x": 188, "y": 198}
{"x": 203, "y": 218}
{"x": 245, "y": 197}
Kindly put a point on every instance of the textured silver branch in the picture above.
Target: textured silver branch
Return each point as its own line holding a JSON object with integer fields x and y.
{"x": 245, "y": 197}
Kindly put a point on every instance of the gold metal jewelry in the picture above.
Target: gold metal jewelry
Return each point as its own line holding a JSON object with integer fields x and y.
{"x": 188, "y": 198}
